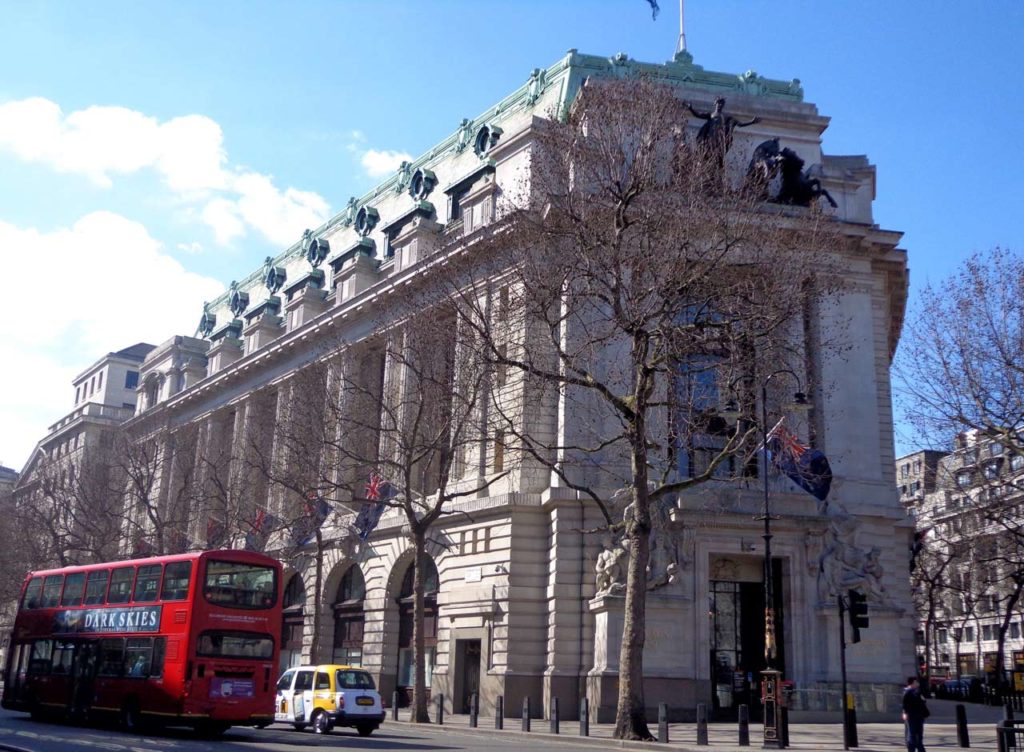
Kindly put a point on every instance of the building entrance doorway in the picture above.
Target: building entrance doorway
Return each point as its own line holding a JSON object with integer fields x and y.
{"x": 737, "y": 642}
{"x": 467, "y": 654}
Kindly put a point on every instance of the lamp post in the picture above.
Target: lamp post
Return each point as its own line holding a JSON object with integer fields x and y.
{"x": 771, "y": 677}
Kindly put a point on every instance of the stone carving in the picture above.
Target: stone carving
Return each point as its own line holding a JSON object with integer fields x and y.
{"x": 404, "y": 176}
{"x": 538, "y": 77}
{"x": 845, "y": 566}
{"x": 752, "y": 83}
{"x": 814, "y": 544}
{"x": 486, "y": 138}
{"x": 715, "y": 135}
{"x": 664, "y": 561}
{"x": 349, "y": 213}
{"x": 273, "y": 276}
{"x": 464, "y": 135}
{"x": 725, "y": 570}
{"x": 422, "y": 183}
{"x": 238, "y": 301}
{"x": 797, "y": 187}
{"x": 366, "y": 220}
{"x": 610, "y": 579}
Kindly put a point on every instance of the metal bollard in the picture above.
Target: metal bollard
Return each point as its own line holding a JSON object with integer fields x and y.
{"x": 584, "y": 717}
{"x": 394, "y": 705}
{"x": 850, "y": 731}
{"x": 474, "y": 710}
{"x": 663, "y": 722}
{"x": 499, "y": 713}
{"x": 963, "y": 739}
{"x": 1004, "y": 735}
{"x": 1007, "y": 712}
{"x": 784, "y": 726}
{"x": 554, "y": 715}
{"x": 440, "y": 710}
{"x": 526, "y": 714}
{"x": 744, "y": 717}
{"x": 702, "y": 724}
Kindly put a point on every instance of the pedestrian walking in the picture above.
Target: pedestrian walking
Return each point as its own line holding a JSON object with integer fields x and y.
{"x": 915, "y": 710}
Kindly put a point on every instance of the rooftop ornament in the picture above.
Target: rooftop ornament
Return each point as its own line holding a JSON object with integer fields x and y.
{"x": 422, "y": 183}
{"x": 207, "y": 321}
{"x": 486, "y": 138}
{"x": 314, "y": 249}
{"x": 238, "y": 301}
{"x": 274, "y": 276}
{"x": 366, "y": 220}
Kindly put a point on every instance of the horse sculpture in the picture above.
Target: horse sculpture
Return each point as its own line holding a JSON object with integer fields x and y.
{"x": 797, "y": 188}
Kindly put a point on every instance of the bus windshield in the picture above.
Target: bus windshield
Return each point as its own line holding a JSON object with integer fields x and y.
{"x": 238, "y": 585}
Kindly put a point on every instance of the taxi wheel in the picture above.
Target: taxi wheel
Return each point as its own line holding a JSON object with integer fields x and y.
{"x": 321, "y": 722}
{"x": 365, "y": 729}
{"x": 298, "y": 726}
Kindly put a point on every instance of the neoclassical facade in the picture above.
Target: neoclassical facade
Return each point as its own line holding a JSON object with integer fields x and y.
{"x": 522, "y": 602}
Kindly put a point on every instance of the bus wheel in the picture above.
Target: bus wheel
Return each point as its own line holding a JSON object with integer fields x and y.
{"x": 212, "y": 729}
{"x": 131, "y": 718}
{"x": 321, "y": 722}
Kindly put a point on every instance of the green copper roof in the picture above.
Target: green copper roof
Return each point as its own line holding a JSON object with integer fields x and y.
{"x": 568, "y": 74}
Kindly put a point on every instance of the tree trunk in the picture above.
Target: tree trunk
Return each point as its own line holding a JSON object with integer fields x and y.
{"x": 630, "y": 712}
{"x": 318, "y": 579}
{"x": 419, "y": 688}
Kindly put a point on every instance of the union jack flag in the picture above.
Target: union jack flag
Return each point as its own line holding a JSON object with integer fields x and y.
{"x": 806, "y": 467}
{"x": 378, "y": 491}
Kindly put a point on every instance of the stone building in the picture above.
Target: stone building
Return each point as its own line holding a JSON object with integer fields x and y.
{"x": 522, "y": 602}
{"x": 970, "y": 533}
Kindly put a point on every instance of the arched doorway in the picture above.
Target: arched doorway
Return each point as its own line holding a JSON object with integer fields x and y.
{"x": 293, "y": 623}
{"x": 349, "y": 619}
{"x": 406, "y": 667}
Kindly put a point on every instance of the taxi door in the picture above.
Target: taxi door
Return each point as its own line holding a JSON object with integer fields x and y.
{"x": 302, "y": 697}
{"x": 284, "y": 708}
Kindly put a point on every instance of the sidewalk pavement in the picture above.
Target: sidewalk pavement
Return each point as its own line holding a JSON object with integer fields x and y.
{"x": 940, "y": 732}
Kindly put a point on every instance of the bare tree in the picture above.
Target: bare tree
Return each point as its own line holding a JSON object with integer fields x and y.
{"x": 634, "y": 287}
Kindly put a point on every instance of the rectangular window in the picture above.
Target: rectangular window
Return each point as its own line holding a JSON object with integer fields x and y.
{"x": 176, "y": 581}
{"x": 406, "y": 666}
{"x": 239, "y": 585}
{"x": 33, "y": 593}
{"x": 963, "y": 479}
{"x": 63, "y": 654}
{"x": 304, "y": 681}
{"x": 121, "y": 585}
{"x": 348, "y": 679}
{"x": 455, "y": 203}
{"x": 156, "y": 667}
{"x": 147, "y": 584}
{"x": 1014, "y": 630}
{"x": 131, "y": 380}
{"x": 969, "y": 634}
{"x": 96, "y": 587}
{"x": 986, "y": 632}
{"x": 943, "y": 636}
{"x": 138, "y": 655}
{"x": 99, "y": 381}
{"x": 111, "y": 657}
{"x": 78, "y": 394}
{"x": 51, "y": 590}
{"x": 74, "y": 586}
{"x": 323, "y": 680}
{"x": 917, "y": 466}
{"x": 905, "y": 471}
{"x": 42, "y": 652}
{"x": 224, "y": 644}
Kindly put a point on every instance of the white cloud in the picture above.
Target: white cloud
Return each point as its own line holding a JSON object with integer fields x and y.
{"x": 187, "y": 153}
{"x": 100, "y": 285}
{"x": 380, "y": 163}
{"x": 193, "y": 249}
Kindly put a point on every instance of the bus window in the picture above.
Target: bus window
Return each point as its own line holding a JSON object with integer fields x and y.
{"x": 63, "y": 653}
{"x": 156, "y": 668}
{"x": 138, "y": 655}
{"x": 121, "y": 585}
{"x": 74, "y": 586}
{"x": 33, "y": 593}
{"x": 42, "y": 652}
{"x": 238, "y": 585}
{"x": 111, "y": 657}
{"x": 147, "y": 584}
{"x": 51, "y": 590}
{"x": 223, "y": 644}
{"x": 96, "y": 587}
{"x": 176, "y": 579}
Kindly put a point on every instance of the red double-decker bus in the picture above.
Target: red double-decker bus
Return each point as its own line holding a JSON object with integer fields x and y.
{"x": 188, "y": 639}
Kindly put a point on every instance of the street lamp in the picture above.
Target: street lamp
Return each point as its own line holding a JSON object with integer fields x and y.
{"x": 771, "y": 678}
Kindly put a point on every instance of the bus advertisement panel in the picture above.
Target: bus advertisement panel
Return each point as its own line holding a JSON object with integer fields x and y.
{"x": 182, "y": 639}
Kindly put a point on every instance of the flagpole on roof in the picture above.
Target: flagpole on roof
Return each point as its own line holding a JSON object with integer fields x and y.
{"x": 681, "y": 44}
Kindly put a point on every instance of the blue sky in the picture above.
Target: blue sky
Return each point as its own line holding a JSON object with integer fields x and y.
{"x": 152, "y": 152}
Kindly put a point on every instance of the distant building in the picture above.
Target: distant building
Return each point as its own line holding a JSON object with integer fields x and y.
{"x": 968, "y": 507}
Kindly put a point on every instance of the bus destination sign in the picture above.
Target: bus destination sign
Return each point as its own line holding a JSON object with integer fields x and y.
{"x": 108, "y": 620}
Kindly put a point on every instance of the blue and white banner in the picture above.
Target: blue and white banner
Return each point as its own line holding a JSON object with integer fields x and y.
{"x": 107, "y": 620}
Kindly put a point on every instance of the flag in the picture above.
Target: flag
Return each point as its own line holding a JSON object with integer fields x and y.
{"x": 378, "y": 491}
{"x": 214, "y": 532}
{"x": 654, "y": 9}
{"x": 806, "y": 467}
{"x": 316, "y": 510}
{"x": 256, "y": 538}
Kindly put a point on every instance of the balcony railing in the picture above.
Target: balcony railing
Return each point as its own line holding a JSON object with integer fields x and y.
{"x": 94, "y": 410}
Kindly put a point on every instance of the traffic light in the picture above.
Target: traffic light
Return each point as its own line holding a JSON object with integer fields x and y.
{"x": 858, "y": 611}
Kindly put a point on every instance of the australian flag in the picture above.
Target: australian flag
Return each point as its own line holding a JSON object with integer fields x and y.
{"x": 261, "y": 524}
{"x": 316, "y": 511}
{"x": 378, "y": 491}
{"x": 806, "y": 467}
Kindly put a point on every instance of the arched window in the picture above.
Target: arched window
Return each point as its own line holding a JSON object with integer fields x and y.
{"x": 292, "y": 623}
{"x": 431, "y": 584}
{"x": 349, "y": 618}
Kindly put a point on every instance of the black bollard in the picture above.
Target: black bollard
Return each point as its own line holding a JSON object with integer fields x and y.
{"x": 584, "y": 717}
{"x": 474, "y": 710}
{"x": 526, "y": 714}
{"x": 1007, "y": 712}
{"x": 394, "y": 705}
{"x": 499, "y": 713}
{"x": 440, "y": 710}
{"x": 784, "y": 726}
{"x": 554, "y": 715}
{"x": 744, "y": 715}
{"x": 702, "y": 724}
{"x": 663, "y": 722}
{"x": 963, "y": 739}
